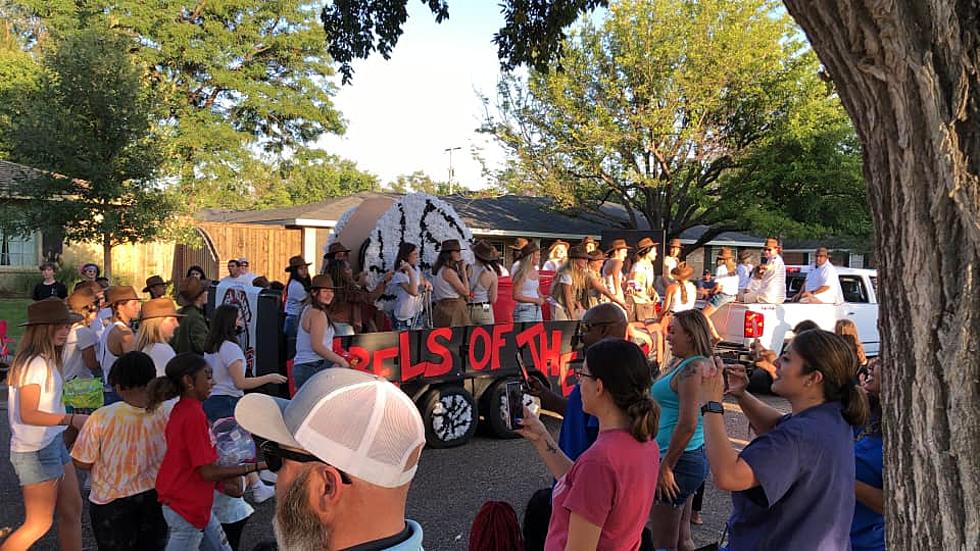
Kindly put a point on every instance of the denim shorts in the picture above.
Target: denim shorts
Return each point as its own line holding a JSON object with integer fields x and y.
{"x": 527, "y": 312}
{"x": 689, "y": 472}
{"x": 218, "y": 407}
{"x": 721, "y": 299}
{"x": 47, "y": 463}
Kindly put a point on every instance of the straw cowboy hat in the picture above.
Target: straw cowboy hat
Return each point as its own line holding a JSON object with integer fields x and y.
{"x": 646, "y": 243}
{"x": 682, "y": 271}
{"x": 153, "y": 281}
{"x": 450, "y": 245}
{"x": 81, "y": 300}
{"x": 50, "y": 311}
{"x": 160, "y": 308}
{"x": 616, "y": 245}
{"x": 485, "y": 251}
{"x": 296, "y": 262}
{"x": 121, "y": 293}
{"x": 725, "y": 254}
{"x": 321, "y": 281}
{"x": 527, "y": 250}
{"x": 191, "y": 288}
{"x": 556, "y": 244}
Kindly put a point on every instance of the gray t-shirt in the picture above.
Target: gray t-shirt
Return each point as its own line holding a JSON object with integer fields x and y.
{"x": 805, "y": 500}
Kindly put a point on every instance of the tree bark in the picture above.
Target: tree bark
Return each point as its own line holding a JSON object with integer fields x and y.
{"x": 107, "y": 256}
{"x": 908, "y": 73}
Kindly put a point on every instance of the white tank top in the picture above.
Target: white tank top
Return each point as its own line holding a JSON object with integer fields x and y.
{"x": 441, "y": 289}
{"x": 529, "y": 287}
{"x": 692, "y": 295}
{"x": 304, "y": 346}
{"x": 106, "y": 358}
{"x": 480, "y": 293}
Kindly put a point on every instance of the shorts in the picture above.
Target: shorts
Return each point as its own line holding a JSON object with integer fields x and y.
{"x": 302, "y": 372}
{"x": 689, "y": 473}
{"x": 526, "y": 312}
{"x": 720, "y": 300}
{"x": 47, "y": 463}
{"x": 218, "y": 406}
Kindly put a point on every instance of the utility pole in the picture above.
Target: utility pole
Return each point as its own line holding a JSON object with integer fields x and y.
{"x": 450, "y": 151}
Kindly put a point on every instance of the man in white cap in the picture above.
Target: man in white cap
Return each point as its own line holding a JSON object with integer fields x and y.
{"x": 346, "y": 448}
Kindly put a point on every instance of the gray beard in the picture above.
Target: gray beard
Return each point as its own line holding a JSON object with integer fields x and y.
{"x": 296, "y": 526}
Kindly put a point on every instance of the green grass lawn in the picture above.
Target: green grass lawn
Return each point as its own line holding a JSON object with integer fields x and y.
{"x": 14, "y": 310}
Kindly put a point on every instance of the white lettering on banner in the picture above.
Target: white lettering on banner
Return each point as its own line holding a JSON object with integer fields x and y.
{"x": 246, "y": 297}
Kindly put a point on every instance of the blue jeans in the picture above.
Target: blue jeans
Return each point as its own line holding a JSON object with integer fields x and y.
{"x": 527, "y": 312}
{"x": 289, "y": 327}
{"x": 218, "y": 407}
{"x": 720, "y": 300}
{"x": 403, "y": 325}
{"x": 184, "y": 536}
{"x": 689, "y": 473}
{"x": 303, "y": 372}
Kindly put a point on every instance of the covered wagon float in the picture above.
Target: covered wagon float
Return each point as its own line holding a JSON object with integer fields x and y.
{"x": 456, "y": 375}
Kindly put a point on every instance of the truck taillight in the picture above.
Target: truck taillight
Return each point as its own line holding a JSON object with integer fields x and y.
{"x": 755, "y": 325}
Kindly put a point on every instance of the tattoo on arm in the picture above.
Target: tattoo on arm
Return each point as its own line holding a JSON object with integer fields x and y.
{"x": 550, "y": 446}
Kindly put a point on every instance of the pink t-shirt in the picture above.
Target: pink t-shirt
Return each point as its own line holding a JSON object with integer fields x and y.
{"x": 610, "y": 485}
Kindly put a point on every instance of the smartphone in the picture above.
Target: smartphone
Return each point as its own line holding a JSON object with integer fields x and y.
{"x": 524, "y": 374}
{"x": 514, "y": 405}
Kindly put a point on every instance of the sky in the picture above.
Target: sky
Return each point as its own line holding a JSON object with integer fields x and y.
{"x": 403, "y": 113}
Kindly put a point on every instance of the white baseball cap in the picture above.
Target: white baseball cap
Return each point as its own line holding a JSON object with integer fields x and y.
{"x": 357, "y": 422}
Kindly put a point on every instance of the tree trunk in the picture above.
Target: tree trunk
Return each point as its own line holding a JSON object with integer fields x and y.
{"x": 908, "y": 72}
{"x": 107, "y": 256}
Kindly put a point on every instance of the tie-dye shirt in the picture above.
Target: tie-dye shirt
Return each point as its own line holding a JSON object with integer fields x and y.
{"x": 125, "y": 446}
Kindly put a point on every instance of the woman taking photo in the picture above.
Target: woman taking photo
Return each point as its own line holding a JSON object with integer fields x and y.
{"x": 680, "y": 434}
{"x": 450, "y": 287}
{"x": 793, "y": 485}
{"x": 37, "y": 420}
{"x": 525, "y": 284}
{"x": 408, "y": 286}
{"x": 158, "y": 323}
{"x": 601, "y": 501}
{"x": 484, "y": 276}
{"x": 314, "y": 336}
{"x": 349, "y": 299}
{"x": 296, "y": 291}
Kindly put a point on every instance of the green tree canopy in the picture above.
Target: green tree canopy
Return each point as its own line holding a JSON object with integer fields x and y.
{"x": 90, "y": 122}
{"x": 673, "y": 109}
{"x": 235, "y": 78}
{"x": 420, "y": 182}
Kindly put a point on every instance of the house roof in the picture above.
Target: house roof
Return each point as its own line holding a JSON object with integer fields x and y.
{"x": 11, "y": 173}
{"x": 505, "y": 215}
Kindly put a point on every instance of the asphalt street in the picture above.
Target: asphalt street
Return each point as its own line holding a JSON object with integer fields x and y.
{"x": 446, "y": 494}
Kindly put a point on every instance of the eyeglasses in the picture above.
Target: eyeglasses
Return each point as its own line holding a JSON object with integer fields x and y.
{"x": 583, "y": 374}
{"x": 274, "y": 454}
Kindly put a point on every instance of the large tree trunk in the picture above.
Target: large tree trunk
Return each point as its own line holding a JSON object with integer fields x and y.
{"x": 908, "y": 72}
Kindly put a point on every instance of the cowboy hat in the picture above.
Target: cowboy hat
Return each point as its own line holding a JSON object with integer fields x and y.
{"x": 159, "y": 308}
{"x": 616, "y": 245}
{"x": 485, "y": 251}
{"x": 336, "y": 247}
{"x": 296, "y": 262}
{"x": 771, "y": 243}
{"x": 121, "y": 293}
{"x": 578, "y": 251}
{"x": 450, "y": 245}
{"x": 191, "y": 288}
{"x": 682, "y": 271}
{"x": 557, "y": 243}
{"x": 646, "y": 243}
{"x": 153, "y": 281}
{"x": 82, "y": 300}
{"x": 527, "y": 250}
{"x": 745, "y": 255}
{"x": 725, "y": 253}
{"x": 519, "y": 244}
{"x": 321, "y": 281}
{"x": 50, "y": 311}
{"x": 675, "y": 243}
{"x": 596, "y": 255}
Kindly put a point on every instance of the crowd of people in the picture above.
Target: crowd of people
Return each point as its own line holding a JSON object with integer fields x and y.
{"x": 129, "y": 392}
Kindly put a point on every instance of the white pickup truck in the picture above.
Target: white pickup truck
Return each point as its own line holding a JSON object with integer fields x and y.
{"x": 739, "y": 324}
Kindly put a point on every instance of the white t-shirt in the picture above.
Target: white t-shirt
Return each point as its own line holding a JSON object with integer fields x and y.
{"x": 670, "y": 262}
{"x": 220, "y": 363}
{"x": 552, "y": 265}
{"x": 406, "y": 306}
{"x": 101, "y": 321}
{"x": 773, "y": 288}
{"x": 727, "y": 282}
{"x": 744, "y": 275}
{"x": 825, "y": 275}
{"x": 161, "y": 353}
{"x": 73, "y": 365}
{"x": 295, "y": 295}
{"x": 31, "y": 438}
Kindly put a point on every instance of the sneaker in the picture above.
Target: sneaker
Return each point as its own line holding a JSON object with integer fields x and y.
{"x": 268, "y": 476}
{"x": 262, "y": 493}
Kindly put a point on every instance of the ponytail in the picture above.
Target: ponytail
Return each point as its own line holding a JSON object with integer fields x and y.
{"x": 857, "y": 411}
{"x": 644, "y": 416}
{"x": 833, "y": 356}
{"x": 171, "y": 385}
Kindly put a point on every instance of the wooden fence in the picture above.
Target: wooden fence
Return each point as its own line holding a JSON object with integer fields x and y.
{"x": 266, "y": 247}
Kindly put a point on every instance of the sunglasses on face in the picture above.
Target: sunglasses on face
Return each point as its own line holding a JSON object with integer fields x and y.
{"x": 274, "y": 454}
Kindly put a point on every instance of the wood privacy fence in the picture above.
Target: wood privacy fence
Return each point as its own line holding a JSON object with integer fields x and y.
{"x": 267, "y": 249}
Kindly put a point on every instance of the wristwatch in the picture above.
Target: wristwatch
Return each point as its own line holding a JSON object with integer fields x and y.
{"x": 712, "y": 407}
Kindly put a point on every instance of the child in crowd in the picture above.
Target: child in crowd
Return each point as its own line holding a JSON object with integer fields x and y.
{"x": 158, "y": 324}
{"x": 37, "y": 420}
{"x": 122, "y": 445}
{"x": 185, "y": 483}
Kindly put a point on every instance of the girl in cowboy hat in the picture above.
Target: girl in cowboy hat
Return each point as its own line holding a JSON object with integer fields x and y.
{"x": 408, "y": 286}
{"x": 642, "y": 281}
{"x": 557, "y": 256}
{"x": 526, "y": 284}
{"x": 315, "y": 333}
{"x": 569, "y": 288}
{"x": 118, "y": 338}
{"x": 483, "y": 282}
{"x": 612, "y": 270}
{"x": 725, "y": 291}
{"x": 349, "y": 299}
{"x": 37, "y": 420}
{"x": 158, "y": 323}
{"x": 296, "y": 290}
{"x": 450, "y": 287}
{"x": 80, "y": 359}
